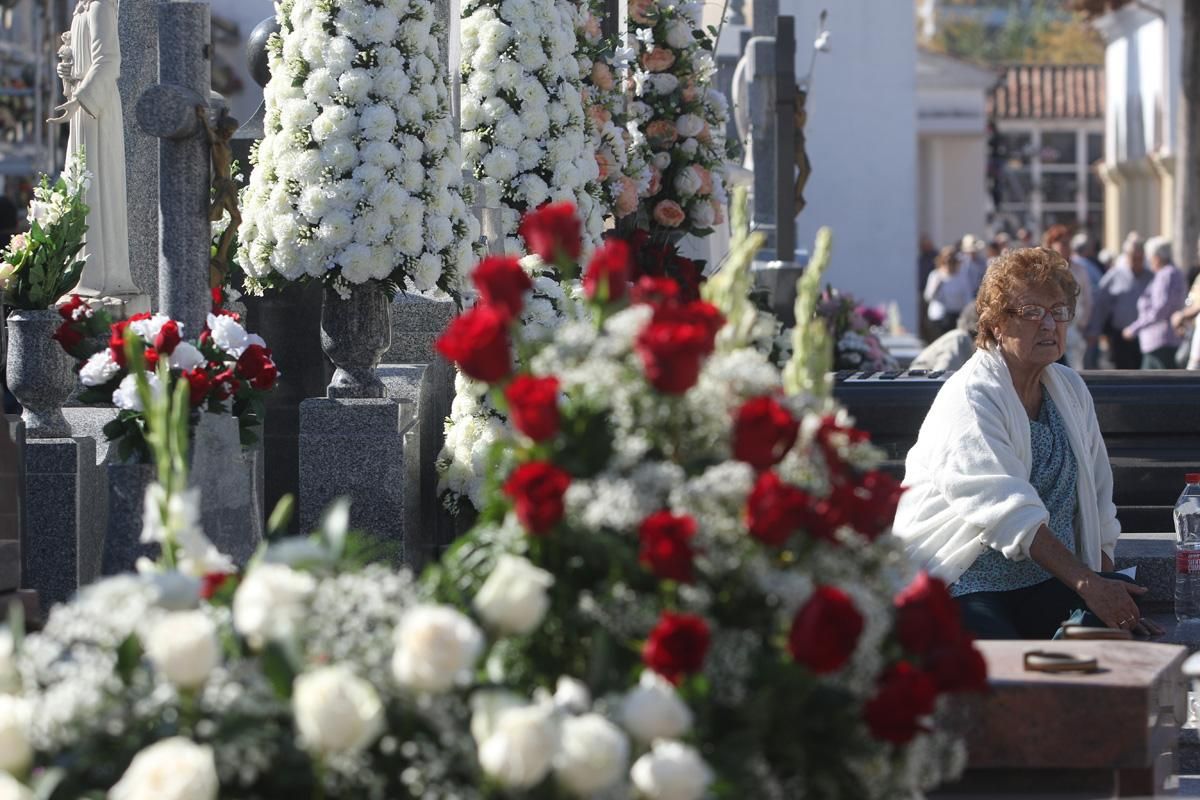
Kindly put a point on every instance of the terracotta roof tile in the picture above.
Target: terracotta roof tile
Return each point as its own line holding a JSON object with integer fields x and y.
{"x": 1048, "y": 91}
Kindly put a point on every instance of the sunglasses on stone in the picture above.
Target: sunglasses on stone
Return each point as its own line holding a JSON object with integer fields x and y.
{"x": 1035, "y": 313}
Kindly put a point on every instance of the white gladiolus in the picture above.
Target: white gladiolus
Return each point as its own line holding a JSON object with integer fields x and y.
{"x": 172, "y": 769}
{"x": 13, "y": 789}
{"x": 514, "y": 598}
{"x": 270, "y": 602}
{"x": 99, "y": 369}
{"x": 336, "y": 711}
{"x": 593, "y": 754}
{"x": 16, "y": 754}
{"x": 435, "y": 646}
{"x": 671, "y": 771}
{"x": 653, "y": 710}
{"x": 198, "y": 556}
{"x": 183, "y": 646}
{"x": 519, "y": 751}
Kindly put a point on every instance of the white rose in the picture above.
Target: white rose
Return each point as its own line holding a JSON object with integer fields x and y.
{"x": 671, "y": 771}
{"x": 99, "y": 369}
{"x": 12, "y": 789}
{"x": 593, "y": 754}
{"x": 661, "y": 160}
{"x": 703, "y": 215}
{"x": 231, "y": 337}
{"x": 486, "y": 707}
{"x": 689, "y": 147}
{"x": 519, "y": 751}
{"x": 16, "y": 754}
{"x": 653, "y": 710}
{"x": 514, "y": 597}
{"x": 434, "y": 646}
{"x": 126, "y": 396}
{"x": 186, "y": 357}
{"x": 172, "y": 769}
{"x": 679, "y": 34}
{"x": 687, "y": 182}
{"x": 689, "y": 125}
{"x": 572, "y": 695}
{"x": 184, "y": 647}
{"x": 336, "y": 711}
{"x": 270, "y": 602}
{"x": 663, "y": 82}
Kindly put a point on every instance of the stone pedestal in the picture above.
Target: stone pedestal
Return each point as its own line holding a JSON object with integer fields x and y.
{"x": 230, "y": 482}
{"x": 357, "y": 449}
{"x": 417, "y": 322}
{"x": 62, "y": 538}
{"x": 125, "y": 504}
{"x": 12, "y": 488}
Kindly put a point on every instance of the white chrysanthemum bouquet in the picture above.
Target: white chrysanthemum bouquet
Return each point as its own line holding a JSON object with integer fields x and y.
{"x": 358, "y": 175}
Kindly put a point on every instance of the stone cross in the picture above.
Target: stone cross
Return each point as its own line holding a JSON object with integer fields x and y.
{"x": 169, "y": 110}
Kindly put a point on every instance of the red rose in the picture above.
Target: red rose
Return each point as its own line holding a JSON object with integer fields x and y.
{"x": 677, "y": 645}
{"x": 775, "y": 510}
{"x": 502, "y": 284}
{"x": 832, "y": 438}
{"x": 212, "y": 582}
{"x": 675, "y": 343}
{"x": 200, "y": 383}
{"x": 553, "y": 232}
{"x": 256, "y": 366}
{"x": 763, "y": 432}
{"x": 151, "y": 356}
{"x": 168, "y": 337}
{"x": 225, "y": 384}
{"x": 218, "y": 299}
{"x": 74, "y": 303}
{"x": 825, "y": 631}
{"x": 116, "y": 341}
{"x": 926, "y": 615}
{"x": 958, "y": 666}
{"x": 606, "y": 278}
{"x": 867, "y": 504}
{"x": 537, "y": 490}
{"x": 666, "y": 548}
{"x": 68, "y": 335}
{"x": 689, "y": 278}
{"x": 902, "y": 696}
{"x": 533, "y": 403}
{"x": 655, "y": 291}
{"x": 478, "y": 342}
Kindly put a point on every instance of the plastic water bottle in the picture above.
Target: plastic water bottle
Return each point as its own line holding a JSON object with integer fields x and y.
{"x": 1187, "y": 551}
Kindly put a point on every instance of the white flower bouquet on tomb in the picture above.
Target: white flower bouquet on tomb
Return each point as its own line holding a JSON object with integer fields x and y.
{"x": 357, "y": 177}
{"x": 524, "y": 136}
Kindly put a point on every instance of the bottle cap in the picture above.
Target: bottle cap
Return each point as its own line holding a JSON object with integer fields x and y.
{"x": 1192, "y": 477}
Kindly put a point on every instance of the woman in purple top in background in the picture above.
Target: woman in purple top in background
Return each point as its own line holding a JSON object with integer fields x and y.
{"x": 1161, "y": 298}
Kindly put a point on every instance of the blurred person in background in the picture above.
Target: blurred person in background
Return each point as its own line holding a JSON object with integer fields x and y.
{"x": 953, "y": 349}
{"x": 972, "y": 262}
{"x": 1058, "y": 239}
{"x": 1159, "y": 300}
{"x": 1115, "y": 305}
{"x": 1083, "y": 251}
{"x": 947, "y": 291}
{"x": 1183, "y": 321}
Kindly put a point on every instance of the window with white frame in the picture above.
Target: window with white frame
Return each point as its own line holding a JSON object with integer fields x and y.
{"x": 1046, "y": 175}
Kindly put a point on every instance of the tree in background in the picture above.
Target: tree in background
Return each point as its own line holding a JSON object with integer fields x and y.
{"x": 1040, "y": 32}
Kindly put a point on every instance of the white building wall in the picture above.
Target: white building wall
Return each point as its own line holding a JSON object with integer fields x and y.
{"x": 862, "y": 142}
{"x": 954, "y": 187}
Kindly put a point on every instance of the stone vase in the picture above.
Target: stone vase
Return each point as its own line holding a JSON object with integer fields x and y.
{"x": 355, "y": 333}
{"x": 40, "y": 373}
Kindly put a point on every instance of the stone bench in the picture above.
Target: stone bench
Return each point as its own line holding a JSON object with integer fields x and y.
{"x": 1111, "y": 733}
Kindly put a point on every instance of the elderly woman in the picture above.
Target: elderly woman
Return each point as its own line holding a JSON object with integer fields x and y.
{"x": 1009, "y": 489}
{"x": 1164, "y": 296}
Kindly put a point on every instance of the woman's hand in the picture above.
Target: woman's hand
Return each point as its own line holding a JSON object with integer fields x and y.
{"x": 1112, "y": 601}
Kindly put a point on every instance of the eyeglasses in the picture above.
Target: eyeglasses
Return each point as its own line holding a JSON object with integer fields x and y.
{"x": 1035, "y": 313}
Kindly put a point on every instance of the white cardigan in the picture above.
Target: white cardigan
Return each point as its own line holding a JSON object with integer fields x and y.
{"x": 967, "y": 477}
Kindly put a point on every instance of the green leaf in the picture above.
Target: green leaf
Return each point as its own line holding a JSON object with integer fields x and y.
{"x": 281, "y": 516}
{"x": 335, "y": 524}
{"x": 278, "y": 668}
{"x": 129, "y": 655}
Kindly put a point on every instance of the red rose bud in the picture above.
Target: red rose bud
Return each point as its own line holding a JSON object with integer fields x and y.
{"x": 116, "y": 341}
{"x": 553, "y": 232}
{"x": 212, "y": 582}
{"x": 675, "y": 343}
{"x": 502, "y": 284}
{"x": 903, "y": 695}
{"x": 832, "y": 438}
{"x": 74, "y": 302}
{"x": 168, "y": 337}
{"x": 825, "y": 631}
{"x": 256, "y": 366}
{"x": 606, "y": 278}
{"x": 68, "y": 335}
{"x": 478, "y": 342}
{"x": 151, "y": 359}
{"x": 775, "y": 510}
{"x": 537, "y": 490}
{"x": 218, "y": 299}
{"x": 927, "y": 616}
{"x": 655, "y": 291}
{"x": 225, "y": 384}
{"x": 666, "y": 548}
{"x": 677, "y": 645}
{"x": 533, "y": 406}
{"x": 200, "y": 383}
{"x": 763, "y": 432}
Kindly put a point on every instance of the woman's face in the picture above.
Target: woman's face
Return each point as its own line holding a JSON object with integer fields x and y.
{"x": 1030, "y": 344}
